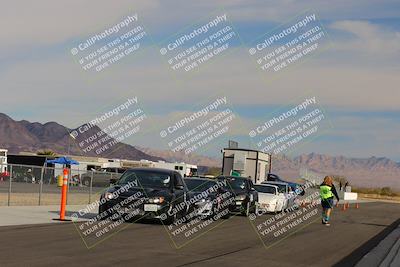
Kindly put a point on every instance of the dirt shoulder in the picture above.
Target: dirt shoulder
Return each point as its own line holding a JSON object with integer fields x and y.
{"x": 377, "y": 197}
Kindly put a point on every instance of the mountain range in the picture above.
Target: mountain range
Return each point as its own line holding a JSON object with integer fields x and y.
{"x": 361, "y": 172}
{"x": 18, "y": 136}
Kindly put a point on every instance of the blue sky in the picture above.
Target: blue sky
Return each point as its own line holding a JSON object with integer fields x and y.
{"x": 356, "y": 80}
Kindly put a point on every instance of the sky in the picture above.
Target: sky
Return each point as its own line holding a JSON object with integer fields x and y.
{"x": 355, "y": 77}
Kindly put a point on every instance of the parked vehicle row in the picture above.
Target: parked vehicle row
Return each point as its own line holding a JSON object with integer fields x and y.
{"x": 165, "y": 195}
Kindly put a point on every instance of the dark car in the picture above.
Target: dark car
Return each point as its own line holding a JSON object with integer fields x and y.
{"x": 246, "y": 197}
{"x": 209, "y": 196}
{"x": 153, "y": 193}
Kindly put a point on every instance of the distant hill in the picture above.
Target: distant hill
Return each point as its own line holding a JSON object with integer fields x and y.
{"x": 180, "y": 156}
{"x": 368, "y": 172}
{"x": 17, "y": 136}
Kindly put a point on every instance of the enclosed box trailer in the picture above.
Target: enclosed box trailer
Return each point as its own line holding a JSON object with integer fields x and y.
{"x": 249, "y": 163}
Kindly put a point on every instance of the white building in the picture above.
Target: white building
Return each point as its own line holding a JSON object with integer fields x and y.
{"x": 3, "y": 160}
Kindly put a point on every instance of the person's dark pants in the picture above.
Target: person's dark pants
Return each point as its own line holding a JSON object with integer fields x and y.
{"x": 326, "y": 204}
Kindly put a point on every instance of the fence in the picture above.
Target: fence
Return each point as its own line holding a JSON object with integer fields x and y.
{"x": 22, "y": 185}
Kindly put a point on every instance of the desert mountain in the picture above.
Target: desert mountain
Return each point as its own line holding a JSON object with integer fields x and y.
{"x": 364, "y": 172}
{"x": 17, "y": 136}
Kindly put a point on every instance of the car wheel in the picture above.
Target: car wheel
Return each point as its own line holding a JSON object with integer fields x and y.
{"x": 225, "y": 217}
{"x": 170, "y": 220}
{"x": 226, "y": 210}
{"x": 190, "y": 211}
{"x": 256, "y": 207}
{"x": 214, "y": 212}
{"x": 247, "y": 211}
{"x": 105, "y": 212}
{"x": 86, "y": 181}
{"x": 277, "y": 211}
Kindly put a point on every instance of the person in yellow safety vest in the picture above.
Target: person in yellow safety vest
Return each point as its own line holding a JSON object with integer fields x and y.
{"x": 327, "y": 192}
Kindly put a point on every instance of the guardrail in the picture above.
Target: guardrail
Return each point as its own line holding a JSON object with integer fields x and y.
{"x": 37, "y": 185}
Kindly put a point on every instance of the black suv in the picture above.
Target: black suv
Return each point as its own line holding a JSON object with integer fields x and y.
{"x": 147, "y": 193}
{"x": 246, "y": 197}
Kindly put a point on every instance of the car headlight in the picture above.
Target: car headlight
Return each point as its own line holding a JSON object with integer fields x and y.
{"x": 108, "y": 195}
{"x": 240, "y": 197}
{"x": 208, "y": 199}
{"x": 156, "y": 200}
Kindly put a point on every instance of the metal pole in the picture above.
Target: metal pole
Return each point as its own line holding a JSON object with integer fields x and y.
{"x": 41, "y": 185}
{"x": 9, "y": 186}
{"x": 2, "y": 169}
{"x": 270, "y": 162}
{"x": 90, "y": 188}
{"x": 69, "y": 179}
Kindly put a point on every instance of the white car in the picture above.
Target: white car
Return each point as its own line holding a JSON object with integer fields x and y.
{"x": 269, "y": 198}
{"x": 287, "y": 192}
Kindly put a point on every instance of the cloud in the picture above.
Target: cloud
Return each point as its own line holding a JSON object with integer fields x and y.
{"x": 368, "y": 38}
{"x": 58, "y": 86}
{"x": 42, "y": 82}
{"x": 45, "y": 22}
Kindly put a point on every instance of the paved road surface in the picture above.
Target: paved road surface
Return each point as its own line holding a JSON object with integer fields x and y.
{"x": 234, "y": 243}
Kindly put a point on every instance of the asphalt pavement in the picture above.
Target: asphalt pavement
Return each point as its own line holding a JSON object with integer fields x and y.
{"x": 233, "y": 243}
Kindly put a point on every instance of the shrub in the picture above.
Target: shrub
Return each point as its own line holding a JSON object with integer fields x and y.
{"x": 386, "y": 191}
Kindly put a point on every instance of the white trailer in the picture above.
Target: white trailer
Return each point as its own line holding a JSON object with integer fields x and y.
{"x": 183, "y": 168}
{"x": 248, "y": 163}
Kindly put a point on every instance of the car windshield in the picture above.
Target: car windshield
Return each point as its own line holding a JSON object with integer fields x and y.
{"x": 146, "y": 179}
{"x": 198, "y": 185}
{"x": 265, "y": 189}
{"x": 236, "y": 183}
{"x": 281, "y": 188}
{"x": 193, "y": 171}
